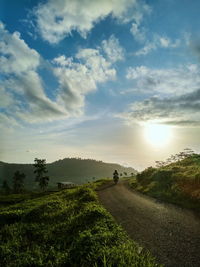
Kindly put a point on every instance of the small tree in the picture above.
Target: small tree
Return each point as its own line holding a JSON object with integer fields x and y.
{"x": 18, "y": 182}
{"x": 40, "y": 170}
{"x": 5, "y": 187}
{"x": 125, "y": 173}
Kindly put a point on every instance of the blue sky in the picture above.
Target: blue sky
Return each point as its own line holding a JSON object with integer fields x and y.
{"x": 87, "y": 78}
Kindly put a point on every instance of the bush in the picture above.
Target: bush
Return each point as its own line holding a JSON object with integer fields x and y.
{"x": 177, "y": 182}
{"x": 146, "y": 174}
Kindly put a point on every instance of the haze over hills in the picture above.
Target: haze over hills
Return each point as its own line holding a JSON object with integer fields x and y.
{"x": 69, "y": 169}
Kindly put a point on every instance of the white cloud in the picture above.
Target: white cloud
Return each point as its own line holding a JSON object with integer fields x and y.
{"x": 113, "y": 49}
{"x": 57, "y": 19}
{"x": 40, "y": 107}
{"x": 138, "y": 32}
{"x": 7, "y": 121}
{"x": 22, "y": 90}
{"x": 157, "y": 42}
{"x": 81, "y": 75}
{"x": 15, "y": 55}
{"x": 6, "y": 98}
{"x": 165, "y": 81}
{"x": 175, "y": 95}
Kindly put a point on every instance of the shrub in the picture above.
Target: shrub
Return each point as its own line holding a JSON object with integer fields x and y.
{"x": 146, "y": 174}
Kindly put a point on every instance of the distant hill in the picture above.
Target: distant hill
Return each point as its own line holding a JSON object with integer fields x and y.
{"x": 69, "y": 169}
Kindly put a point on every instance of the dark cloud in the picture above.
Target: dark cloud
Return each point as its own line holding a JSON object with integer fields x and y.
{"x": 181, "y": 110}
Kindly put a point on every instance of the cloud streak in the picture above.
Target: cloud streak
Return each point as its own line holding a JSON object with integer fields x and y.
{"x": 157, "y": 42}
{"x": 174, "y": 95}
{"x": 176, "y": 81}
{"x": 177, "y": 110}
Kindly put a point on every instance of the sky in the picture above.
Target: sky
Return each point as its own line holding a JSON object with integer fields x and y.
{"x": 112, "y": 80}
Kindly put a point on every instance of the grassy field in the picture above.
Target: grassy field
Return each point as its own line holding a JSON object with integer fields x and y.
{"x": 177, "y": 183}
{"x": 66, "y": 228}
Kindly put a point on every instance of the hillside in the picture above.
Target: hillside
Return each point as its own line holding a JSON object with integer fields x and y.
{"x": 67, "y": 228}
{"x": 69, "y": 169}
{"x": 177, "y": 182}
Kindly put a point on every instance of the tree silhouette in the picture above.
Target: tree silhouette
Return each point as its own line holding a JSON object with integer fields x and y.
{"x": 40, "y": 170}
{"x": 186, "y": 153}
{"x": 125, "y": 173}
{"x": 18, "y": 182}
{"x": 5, "y": 187}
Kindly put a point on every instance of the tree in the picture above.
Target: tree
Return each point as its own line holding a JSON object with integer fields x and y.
{"x": 125, "y": 173}
{"x": 18, "y": 182}
{"x": 40, "y": 171}
{"x": 160, "y": 163}
{"x": 5, "y": 187}
{"x": 132, "y": 174}
{"x": 186, "y": 153}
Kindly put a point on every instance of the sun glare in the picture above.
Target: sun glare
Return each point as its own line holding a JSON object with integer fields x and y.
{"x": 158, "y": 134}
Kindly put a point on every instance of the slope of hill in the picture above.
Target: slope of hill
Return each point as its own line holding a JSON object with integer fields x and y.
{"x": 178, "y": 182}
{"x": 69, "y": 169}
{"x": 67, "y": 228}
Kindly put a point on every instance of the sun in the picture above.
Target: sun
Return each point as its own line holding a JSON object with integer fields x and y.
{"x": 158, "y": 134}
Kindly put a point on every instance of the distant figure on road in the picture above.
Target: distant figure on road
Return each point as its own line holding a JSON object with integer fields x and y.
{"x": 115, "y": 176}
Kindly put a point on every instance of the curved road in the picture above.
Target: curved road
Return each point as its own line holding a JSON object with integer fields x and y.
{"x": 170, "y": 233}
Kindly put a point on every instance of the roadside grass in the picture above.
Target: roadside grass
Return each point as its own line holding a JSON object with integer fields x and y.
{"x": 177, "y": 183}
{"x": 65, "y": 228}
{"x": 11, "y": 199}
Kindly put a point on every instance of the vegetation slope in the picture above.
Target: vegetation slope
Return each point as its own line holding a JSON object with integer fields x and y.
{"x": 66, "y": 228}
{"x": 177, "y": 182}
{"x": 70, "y": 169}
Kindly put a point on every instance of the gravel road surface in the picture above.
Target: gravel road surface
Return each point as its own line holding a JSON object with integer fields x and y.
{"x": 170, "y": 233}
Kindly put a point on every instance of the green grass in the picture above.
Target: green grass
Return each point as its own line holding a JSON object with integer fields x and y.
{"x": 177, "y": 183}
{"x": 11, "y": 199}
{"x": 66, "y": 228}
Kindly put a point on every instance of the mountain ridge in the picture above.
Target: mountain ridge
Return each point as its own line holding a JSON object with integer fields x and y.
{"x": 76, "y": 170}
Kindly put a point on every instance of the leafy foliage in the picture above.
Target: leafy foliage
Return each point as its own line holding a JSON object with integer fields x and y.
{"x": 66, "y": 228}
{"x": 5, "y": 187}
{"x": 177, "y": 182}
{"x": 40, "y": 170}
{"x": 18, "y": 182}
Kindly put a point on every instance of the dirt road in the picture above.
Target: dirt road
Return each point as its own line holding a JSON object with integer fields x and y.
{"x": 171, "y": 234}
